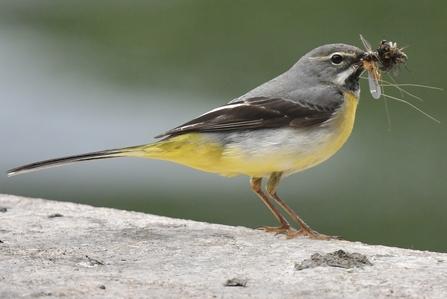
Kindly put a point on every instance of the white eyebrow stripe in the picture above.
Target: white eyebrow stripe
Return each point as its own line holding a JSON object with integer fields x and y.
{"x": 323, "y": 58}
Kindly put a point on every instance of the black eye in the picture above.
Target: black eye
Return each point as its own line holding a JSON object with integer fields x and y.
{"x": 336, "y": 59}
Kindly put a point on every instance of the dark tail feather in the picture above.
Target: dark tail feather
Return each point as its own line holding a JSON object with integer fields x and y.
{"x": 67, "y": 160}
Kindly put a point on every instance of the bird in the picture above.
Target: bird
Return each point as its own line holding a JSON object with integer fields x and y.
{"x": 289, "y": 124}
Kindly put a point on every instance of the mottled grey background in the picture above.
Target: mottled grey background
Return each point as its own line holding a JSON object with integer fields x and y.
{"x": 80, "y": 76}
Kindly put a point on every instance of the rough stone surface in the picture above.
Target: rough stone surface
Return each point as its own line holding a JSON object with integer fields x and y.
{"x": 56, "y": 249}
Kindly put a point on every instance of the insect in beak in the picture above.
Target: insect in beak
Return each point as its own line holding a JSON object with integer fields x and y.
{"x": 388, "y": 56}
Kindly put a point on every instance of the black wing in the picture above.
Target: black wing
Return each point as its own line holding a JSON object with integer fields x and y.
{"x": 258, "y": 113}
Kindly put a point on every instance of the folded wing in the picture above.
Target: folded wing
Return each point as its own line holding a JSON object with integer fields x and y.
{"x": 258, "y": 113}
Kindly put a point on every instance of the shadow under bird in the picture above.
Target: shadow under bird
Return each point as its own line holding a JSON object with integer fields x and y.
{"x": 286, "y": 125}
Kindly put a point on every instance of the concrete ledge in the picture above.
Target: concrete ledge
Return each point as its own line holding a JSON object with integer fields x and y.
{"x": 59, "y": 249}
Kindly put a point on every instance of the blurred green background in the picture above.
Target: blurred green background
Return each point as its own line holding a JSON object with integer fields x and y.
{"x": 80, "y": 76}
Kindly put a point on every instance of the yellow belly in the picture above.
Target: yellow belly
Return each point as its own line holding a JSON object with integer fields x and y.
{"x": 258, "y": 153}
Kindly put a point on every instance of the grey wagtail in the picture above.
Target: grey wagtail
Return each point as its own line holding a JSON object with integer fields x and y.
{"x": 288, "y": 124}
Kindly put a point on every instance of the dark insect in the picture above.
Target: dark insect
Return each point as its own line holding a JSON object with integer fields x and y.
{"x": 390, "y": 56}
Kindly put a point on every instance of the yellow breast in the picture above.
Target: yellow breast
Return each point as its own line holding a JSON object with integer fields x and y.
{"x": 342, "y": 124}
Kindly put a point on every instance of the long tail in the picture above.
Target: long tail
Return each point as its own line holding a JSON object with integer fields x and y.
{"x": 113, "y": 153}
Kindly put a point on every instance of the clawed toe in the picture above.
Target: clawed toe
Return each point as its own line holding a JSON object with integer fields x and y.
{"x": 292, "y": 233}
{"x": 311, "y": 234}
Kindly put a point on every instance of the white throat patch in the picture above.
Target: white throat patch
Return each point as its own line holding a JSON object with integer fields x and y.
{"x": 340, "y": 79}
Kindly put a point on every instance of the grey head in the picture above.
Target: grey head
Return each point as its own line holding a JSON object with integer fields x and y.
{"x": 333, "y": 66}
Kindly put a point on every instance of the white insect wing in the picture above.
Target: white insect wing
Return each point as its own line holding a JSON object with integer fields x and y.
{"x": 374, "y": 86}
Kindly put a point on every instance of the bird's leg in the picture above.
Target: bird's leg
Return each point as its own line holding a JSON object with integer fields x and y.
{"x": 271, "y": 187}
{"x": 285, "y": 226}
